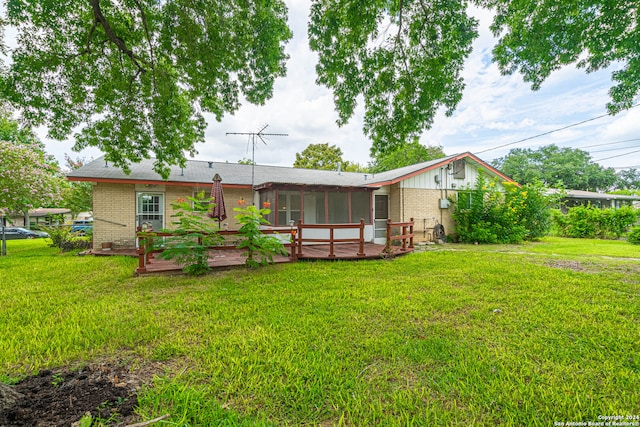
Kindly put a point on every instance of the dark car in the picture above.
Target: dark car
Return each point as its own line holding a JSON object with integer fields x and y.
{"x": 12, "y": 233}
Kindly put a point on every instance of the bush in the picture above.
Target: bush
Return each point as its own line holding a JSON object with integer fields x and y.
{"x": 486, "y": 215}
{"x": 259, "y": 248}
{"x": 594, "y": 223}
{"x": 634, "y": 235}
{"x": 62, "y": 237}
{"x": 193, "y": 236}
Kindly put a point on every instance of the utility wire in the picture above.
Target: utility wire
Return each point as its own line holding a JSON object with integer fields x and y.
{"x": 613, "y": 149}
{"x": 619, "y": 155}
{"x": 550, "y": 132}
{"x": 610, "y": 143}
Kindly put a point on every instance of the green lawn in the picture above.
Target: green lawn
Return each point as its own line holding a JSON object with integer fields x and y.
{"x": 527, "y": 334}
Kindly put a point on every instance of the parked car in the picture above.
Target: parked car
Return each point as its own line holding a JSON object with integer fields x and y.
{"x": 12, "y": 233}
{"x": 82, "y": 227}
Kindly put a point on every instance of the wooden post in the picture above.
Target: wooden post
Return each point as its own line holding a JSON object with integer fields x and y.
{"x": 331, "y": 254}
{"x": 387, "y": 247}
{"x": 404, "y": 237}
{"x": 299, "y": 238}
{"x": 411, "y": 233}
{"x": 361, "y": 251}
{"x": 142, "y": 261}
{"x": 293, "y": 245}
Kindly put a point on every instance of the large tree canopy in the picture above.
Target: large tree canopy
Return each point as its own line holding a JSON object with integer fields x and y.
{"x": 324, "y": 157}
{"x": 135, "y": 76}
{"x": 406, "y": 154}
{"x": 569, "y": 167}
{"x": 538, "y": 37}
{"x": 404, "y": 57}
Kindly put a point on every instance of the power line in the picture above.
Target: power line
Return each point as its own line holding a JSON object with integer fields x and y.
{"x": 619, "y": 155}
{"x": 614, "y": 149}
{"x": 610, "y": 143}
{"x": 550, "y": 132}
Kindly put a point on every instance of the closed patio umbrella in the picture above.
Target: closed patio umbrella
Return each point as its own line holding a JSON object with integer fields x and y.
{"x": 218, "y": 212}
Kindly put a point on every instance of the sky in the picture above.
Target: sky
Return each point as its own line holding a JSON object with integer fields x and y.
{"x": 495, "y": 111}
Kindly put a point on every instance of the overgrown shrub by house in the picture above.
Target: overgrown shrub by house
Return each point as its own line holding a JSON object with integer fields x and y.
{"x": 484, "y": 214}
{"x": 634, "y": 235}
{"x": 594, "y": 223}
{"x": 62, "y": 237}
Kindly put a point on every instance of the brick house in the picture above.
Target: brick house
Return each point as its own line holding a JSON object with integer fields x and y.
{"x": 121, "y": 202}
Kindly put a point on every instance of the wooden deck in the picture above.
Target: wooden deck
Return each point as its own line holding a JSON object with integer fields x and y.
{"x": 227, "y": 259}
{"x": 301, "y": 248}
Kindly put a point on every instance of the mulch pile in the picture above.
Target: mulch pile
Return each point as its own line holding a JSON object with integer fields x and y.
{"x": 62, "y": 397}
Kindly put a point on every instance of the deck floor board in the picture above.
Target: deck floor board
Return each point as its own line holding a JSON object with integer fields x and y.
{"x": 229, "y": 258}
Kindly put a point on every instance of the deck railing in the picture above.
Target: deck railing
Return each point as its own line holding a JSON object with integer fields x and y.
{"x": 406, "y": 235}
{"x": 146, "y": 248}
{"x": 145, "y": 240}
{"x": 300, "y": 239}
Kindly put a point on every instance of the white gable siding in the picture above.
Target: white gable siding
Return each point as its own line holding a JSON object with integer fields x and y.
{"x": 428, "y": 181}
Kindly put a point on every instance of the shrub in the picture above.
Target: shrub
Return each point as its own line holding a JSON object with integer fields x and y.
{"x": 193, "y": 236}
{"x": 594, "y": 223}
{"x": 62, "y": 237}
{"x": 484, "y": 214}
{"x": 634, "y": 235}
{"x": 260, "y": 248}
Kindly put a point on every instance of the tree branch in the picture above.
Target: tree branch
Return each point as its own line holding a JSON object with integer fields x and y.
{"x": 100, "y": 19}
{"x": 143, "y": 16}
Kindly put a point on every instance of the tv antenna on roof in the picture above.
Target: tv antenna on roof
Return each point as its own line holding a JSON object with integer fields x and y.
{"x": 260, "y": 134}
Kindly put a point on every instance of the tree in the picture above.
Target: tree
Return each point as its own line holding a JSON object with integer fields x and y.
{"x": 27, "y": 179}
{"x": 403, "y": 57}
{"x": 324, "y": 157}
{"x": 406, "y": 154}
{"x": 553, "y": 166}
{"x": 629, "y": 179}
{"x": 135, "y": 77}
{"x": 77, "y": 196}
{"x": 539, "y": 37}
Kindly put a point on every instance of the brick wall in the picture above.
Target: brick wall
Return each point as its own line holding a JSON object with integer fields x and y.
{"x": 114, "y": 210}
{"x": 424, "y": 207}
{"x": 114, "y": 214}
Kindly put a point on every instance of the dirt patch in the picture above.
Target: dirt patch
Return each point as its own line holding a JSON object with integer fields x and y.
{"x": 62, "y": 397}
{"x": 571, "y": 265}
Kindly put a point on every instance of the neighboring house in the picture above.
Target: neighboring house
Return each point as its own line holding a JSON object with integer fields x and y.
{"x": 41, "y": 217}
{"x": 123, "y": 202}
{"x": 573, "y": 198}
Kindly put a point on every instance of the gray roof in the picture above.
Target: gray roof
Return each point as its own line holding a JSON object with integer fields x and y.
{"x": 201, "y": 172}
{"x": 581, "y": 194}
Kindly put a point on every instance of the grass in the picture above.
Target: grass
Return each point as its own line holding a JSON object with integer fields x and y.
{"x": 464, "y": 335}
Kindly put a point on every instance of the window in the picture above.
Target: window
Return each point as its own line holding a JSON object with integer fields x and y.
{"x": 150, "y": 210}
{"x": 361, "y": 206}
{"x": 338, "y": 208}
{"x": 289, "y": 208}
{"x": 464, "y": 199}
{"x": 317, "y": 207}
{"x": 314, "y": 207}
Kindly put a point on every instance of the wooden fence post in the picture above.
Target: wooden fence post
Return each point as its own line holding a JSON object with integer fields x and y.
{"x": 411, "y": 233}
{"x": 361, "y": 249}
{"x": 387, "y": 247}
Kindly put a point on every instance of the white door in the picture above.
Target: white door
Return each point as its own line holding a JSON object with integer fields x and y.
{"x": 381, "y": 214}
{"x": 150, "y": 210}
